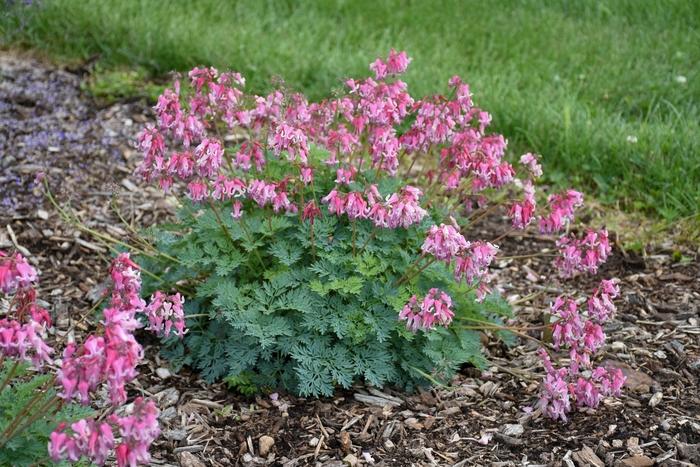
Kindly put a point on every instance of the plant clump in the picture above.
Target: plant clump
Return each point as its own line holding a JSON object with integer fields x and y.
{"x": 42, "y": 405}
{"x": 319, "y": 243}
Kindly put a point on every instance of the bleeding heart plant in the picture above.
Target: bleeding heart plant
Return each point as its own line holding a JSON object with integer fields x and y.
{"x": 322, "y": 242}
{"x": 34, "y": 403}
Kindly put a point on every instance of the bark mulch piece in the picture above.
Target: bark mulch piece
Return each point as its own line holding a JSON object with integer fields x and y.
{"x": 47, "y": 124}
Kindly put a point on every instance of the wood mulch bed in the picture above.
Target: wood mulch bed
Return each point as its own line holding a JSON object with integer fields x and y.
{"x": 47, "y": 124}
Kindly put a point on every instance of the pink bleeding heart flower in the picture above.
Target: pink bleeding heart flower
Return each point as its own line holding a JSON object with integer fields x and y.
{"x": 434, "y": 309}
{"x": 444, "y": 242}
{"x": 561, "y": 207}
{"x": 15, "y": 272}
{"x": 165, "y": 314}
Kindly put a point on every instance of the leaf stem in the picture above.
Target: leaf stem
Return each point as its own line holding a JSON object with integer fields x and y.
{"x": 488, "y": 325}
{"x": 429, "y": 377}
{"x": 409, "y": 276}
{"x": 198, "y": 315}
{"x": 533, "y": 255}
{"x": 244, "y": 227}
{"x": 369, "y": 239}
{"x": 40, "y": 412}
{"x": 504, "y": 235}
{"x": 105, "y": 238}
{"x": 313, "y": 240}
{"x": 354, "y": 237}
{"x": 12, "y": 428}
{"x": 9, "y": 376}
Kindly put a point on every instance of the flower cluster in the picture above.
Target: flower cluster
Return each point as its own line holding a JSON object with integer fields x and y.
{"x": 24, "y": 341}
{"x": 23, "y": 335}
{"x": 473, "y": 266}
{"x": 289, "y": 125}
{"x": 600, "y": 304}
{"x": 110, "y": 360}
{"x": 561, "y": 211}
{"x": 138, "y": 431}
{"x": 434, "y": 308}
{"x": 396, "y": 63}
{"x": 165, "y": 313}
{"x": 95, "y": 440}
{"x": 15, "y": 272}
{"x": 126, "y": 280}
{"x": 107, "y": 360}
{"x": 582, "y": 255}
{"x": 444, "y": 242}
{"x": 582, "y": 334}
{"x": 90, "y": 439}
{"x": 532, "y": 163}
{"x": 472, "y": 259}
{"x": 400, "y": 209}
{"x": 522, "y": 212}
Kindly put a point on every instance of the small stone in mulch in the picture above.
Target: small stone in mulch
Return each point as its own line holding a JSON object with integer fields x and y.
{"x": 167, "y": 397}
{"x": 187, "y": 459}
{"x": 376, "y": 400}
{"x": 633, "y": 446}
{"x": 655, "y": 399}
{"x": 163, "y": 373}
{"x": 175, "y": 435}
{"x": 449, "y": 411}
{"x": 514, "y": 430}
{"x": 265, "y": 444}
{"x": 507, "y": 440}
{"x": 167, "y": 415}
{"x": 413, "y": 423}
{"x": 351, "y": 460}
{"x": 345, "y": 442}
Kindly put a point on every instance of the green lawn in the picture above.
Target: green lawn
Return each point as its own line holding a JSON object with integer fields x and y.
{"x": 576, "y": 81}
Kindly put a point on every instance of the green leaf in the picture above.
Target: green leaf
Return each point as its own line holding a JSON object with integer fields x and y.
{"x": 369, "y": 265}
{"x": 192, "y": 255}
{"x": 286, "y": 253}
{"x": 228, "y": 296}
{"x": 21, "y": 399}
{"x": 351, "y": 285}
{"x": 242, "y": 382}
{"x": 319, "y": 287}
{"x": 228, "y": 261}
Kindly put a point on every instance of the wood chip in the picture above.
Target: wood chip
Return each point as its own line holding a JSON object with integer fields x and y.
{"x": 587, "y": 457}
{"x": 375, "y": 400}
{"x": 637, "y": 461}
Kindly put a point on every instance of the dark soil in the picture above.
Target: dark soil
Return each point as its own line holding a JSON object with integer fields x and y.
{"x": 48, "y": 125}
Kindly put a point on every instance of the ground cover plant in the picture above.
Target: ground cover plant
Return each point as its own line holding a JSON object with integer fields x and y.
{"x": 606, "y": 91}
{"x": 311, "y": 258}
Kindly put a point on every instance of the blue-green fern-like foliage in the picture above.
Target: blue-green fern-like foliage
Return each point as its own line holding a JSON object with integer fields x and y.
{"x": 309, "y": 316}
{"x": 28, "y": 415}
